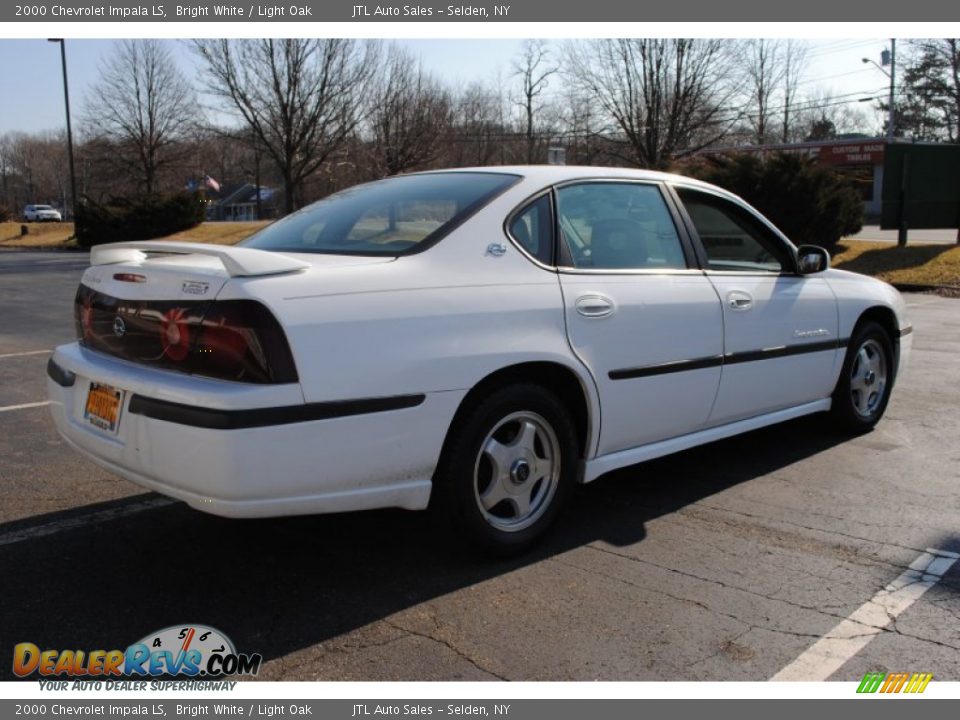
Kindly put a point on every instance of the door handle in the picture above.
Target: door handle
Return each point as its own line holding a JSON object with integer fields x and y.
{"x": 594, "y": 306}
{"x": 739, "y": 300}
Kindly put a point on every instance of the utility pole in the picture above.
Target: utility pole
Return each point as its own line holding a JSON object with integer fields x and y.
{"x": 889, "y": 57}
{"x": 893, "y": 80}
{"x": 66, "y": 103}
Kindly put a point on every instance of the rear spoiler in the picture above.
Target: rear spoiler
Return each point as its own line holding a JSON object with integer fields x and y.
{"x": 238, "y": 261}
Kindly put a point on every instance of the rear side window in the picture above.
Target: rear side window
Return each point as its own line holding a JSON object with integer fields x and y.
{"x": 395, "y": 216}
{"x": 532, "y": 228}
{"x": 618, "y": 226}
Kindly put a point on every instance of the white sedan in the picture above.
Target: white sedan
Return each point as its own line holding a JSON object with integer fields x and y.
{"x": 475, "y": 340}
{"x": 41, "y": 213}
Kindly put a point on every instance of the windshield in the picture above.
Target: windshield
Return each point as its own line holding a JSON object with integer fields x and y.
{"x": 42, "y": 207}
{"x": 390, "y": 217}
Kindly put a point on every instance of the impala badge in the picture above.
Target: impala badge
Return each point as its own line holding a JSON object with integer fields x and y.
{"x": 819, "y": 332}
{"x": 496, "y": 249}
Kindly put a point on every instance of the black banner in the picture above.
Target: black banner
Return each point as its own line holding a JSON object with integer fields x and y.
{"x": 539, "y": 11}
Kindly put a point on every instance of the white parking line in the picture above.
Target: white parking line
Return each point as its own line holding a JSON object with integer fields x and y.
{"x": 22, "y": 354}
{"x": 830, "y": 652}
{"x": 15, "y": 536}
{"x": 24, "y": 406}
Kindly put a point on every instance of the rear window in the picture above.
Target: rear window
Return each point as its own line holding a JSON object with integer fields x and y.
{"x": 390, "y": 217}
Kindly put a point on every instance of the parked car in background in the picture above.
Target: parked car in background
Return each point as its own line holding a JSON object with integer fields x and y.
{"x": 41, "y": 213}
{"x": 476, "y": 340}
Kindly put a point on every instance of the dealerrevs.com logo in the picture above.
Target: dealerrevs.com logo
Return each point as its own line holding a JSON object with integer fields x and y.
{"x": 180, "y": 650}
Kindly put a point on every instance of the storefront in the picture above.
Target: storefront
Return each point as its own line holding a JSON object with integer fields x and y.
{"x": 860, "y": 159}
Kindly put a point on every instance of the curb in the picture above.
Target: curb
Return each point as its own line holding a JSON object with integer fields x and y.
{"x": 952, "y": 291}
{"x": 44, "y": 248}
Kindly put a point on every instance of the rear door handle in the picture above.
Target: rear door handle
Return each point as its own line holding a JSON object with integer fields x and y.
{"x": 594, "y": 306}
{"x": 739, "y": 300}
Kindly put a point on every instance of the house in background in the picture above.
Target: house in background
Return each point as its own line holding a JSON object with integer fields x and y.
{"x": 236, "y": 203}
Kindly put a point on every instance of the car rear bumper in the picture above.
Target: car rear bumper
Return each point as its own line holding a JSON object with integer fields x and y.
{"x": 251, "y": 451}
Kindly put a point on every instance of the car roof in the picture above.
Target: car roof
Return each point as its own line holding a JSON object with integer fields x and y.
{"x": 552, "y": 174}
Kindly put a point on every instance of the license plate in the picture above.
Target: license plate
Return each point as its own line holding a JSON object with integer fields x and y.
{"x": 104, "y": 403}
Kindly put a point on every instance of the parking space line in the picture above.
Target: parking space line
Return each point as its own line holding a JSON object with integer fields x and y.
{"x": 834, "y": 649}
{"x": 24, "y": 406}
{"x": 29, "y": 533}
{"x": 23, "y": 354}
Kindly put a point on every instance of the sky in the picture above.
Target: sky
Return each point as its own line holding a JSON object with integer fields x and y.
{"x": 32, "y": 89}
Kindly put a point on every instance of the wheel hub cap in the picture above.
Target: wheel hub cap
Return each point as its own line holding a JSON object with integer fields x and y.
{"x": 868, "y": 378}
{"x": 520, "y": 472}
{"x": 517, "y": 471}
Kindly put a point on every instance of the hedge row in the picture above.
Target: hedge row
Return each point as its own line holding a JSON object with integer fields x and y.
{"x": 812, "y": 204}
{"x": 139, "y": 218}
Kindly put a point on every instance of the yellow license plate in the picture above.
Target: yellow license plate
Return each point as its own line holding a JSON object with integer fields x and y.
{"x": 104, "y": 403}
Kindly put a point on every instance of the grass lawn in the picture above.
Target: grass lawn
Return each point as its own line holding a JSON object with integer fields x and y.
{"x": 53, "y": 235}
{"x": 220, "y": 233}
{"x": 40, "y": 235}
{"x": 918, "y": 263}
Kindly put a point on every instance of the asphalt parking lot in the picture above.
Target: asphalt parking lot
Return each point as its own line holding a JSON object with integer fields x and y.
{"x": 728, "y": 562}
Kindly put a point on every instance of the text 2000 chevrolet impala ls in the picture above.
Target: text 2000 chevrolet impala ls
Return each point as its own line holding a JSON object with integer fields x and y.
{"x": 479, "y": 340}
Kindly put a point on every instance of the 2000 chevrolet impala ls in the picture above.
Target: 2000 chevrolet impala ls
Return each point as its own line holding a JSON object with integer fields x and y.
{"x": 478, "y": 340}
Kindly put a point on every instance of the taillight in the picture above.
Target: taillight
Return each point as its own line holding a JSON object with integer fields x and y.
{"x": 242, "y": 340}
{"x": 237, "y": 340}
{"x": 175, "y": 334}
{"x": 84, "y": 317}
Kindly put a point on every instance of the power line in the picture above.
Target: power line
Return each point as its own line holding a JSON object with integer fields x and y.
{"x": 833, "y": 77}
{"x": 846, "y": 47}
{"x": 802, "y": 106}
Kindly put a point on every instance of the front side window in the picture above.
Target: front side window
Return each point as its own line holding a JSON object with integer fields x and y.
{"x": 618, "y": 226}
{"x": 389, "y": 217}
{"x": 733, "y": 239}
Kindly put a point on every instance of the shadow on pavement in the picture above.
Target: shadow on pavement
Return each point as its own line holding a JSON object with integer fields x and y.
{"x": 887, "y": 259}
{"x": 276, "y": 586}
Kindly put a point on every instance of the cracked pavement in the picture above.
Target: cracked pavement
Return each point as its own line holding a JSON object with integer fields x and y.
{"x": 725, "y": 562}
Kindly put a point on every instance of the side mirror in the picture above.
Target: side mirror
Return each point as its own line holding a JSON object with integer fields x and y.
{"x": 812, "y": 259}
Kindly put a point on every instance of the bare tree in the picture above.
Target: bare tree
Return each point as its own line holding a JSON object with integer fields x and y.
{"x": 794, "y": 66}
{"x": 821, "y": 116}
{"x": 301, "y": 98}
{"x": 144, "y": 105}
{"x": 533, "y": 68}
{"x": 665, "y": 96}
{"x": 582, "y": 132}
{"x": 764, "y": 67}
{"x": 6, "y": 170}
{"x": 410, "y": 115}
{"x": 34, "y": 168}
{"x": 479, "y": 126}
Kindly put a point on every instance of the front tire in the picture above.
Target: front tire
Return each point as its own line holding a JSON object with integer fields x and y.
{"x": 507, "y": 470}
{"x": 863, "y": 391}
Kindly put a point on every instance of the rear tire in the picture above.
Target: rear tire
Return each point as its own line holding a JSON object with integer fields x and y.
{"x": 507, "y": 470}
{"x": 863, "y": 390}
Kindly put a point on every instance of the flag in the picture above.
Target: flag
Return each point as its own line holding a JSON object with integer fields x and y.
{"x": 211, "y": 183}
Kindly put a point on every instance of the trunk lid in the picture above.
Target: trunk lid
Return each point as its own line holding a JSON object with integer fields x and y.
{"x": 153, "y": 303}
